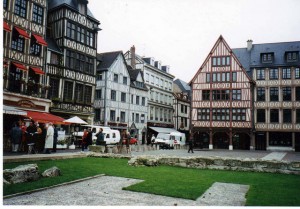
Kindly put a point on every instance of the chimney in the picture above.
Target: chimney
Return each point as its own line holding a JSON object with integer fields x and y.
{"x": 249, "y": 45}
{"x": 132, "y": 52}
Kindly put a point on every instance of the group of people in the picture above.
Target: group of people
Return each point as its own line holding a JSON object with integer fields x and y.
{"x": 87, "y": 139}
{"x": 42, "y": 139}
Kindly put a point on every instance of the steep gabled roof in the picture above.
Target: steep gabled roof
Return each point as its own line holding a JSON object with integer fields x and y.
{"x": 70, "y": 3}
{"x": 133, "y": 76}
{"x": 221, "y": 39}
{"x": 52, "y": 46}
{"x": 106, "y": 59}
{"x": 182, "y": 85}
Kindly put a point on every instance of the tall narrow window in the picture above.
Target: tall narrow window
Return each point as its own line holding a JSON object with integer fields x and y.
{"x": 205, "y": 94}
{"x": 286, "y": 73}
{"x": 79, "y": 93}
{"x": 236, "y": 94}
{"x": 98, "y": 94}
{"x": 54, "y": 88}
{"x": 273, "y": 74}
{"x": 286, "y": 93}
{"x": 260, "y": 74}
{"x": 68, "y": 91}
{"x": 123, "y": 97}
{"x": 261, "y": 115}
{"x": 207, "y": 77}
{"x": 112, "y": 115}
{"x": 113, "y": 95}
{"x": 234, "y": 77}
{"x": 274, "y": 115}
{"x": 88, "y": 95}
{"x": 21, "y": 8}
{"x": 297, "y": 93}
{"x": 260, "y": 94}
{"x": 297, "y": 73}
{"x": 17, "y": 42}
{"x": 37, "y": 14}
{"x": 273, "y": 94}
{"x": 123, "y": 116}
{"x": 287, "y": 115}
{"x": 116, "y": 78}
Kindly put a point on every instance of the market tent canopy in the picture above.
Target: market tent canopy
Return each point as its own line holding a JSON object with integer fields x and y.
{"x": 13, "y": 111}
{"x": 163, "y": 130}
{"x": 43, "y": 117}
{"x": 76, "y": 120}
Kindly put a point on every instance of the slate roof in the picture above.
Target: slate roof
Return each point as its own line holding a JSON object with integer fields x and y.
{"x": 133, "y": 73}
{"x": 52, "y": 45}
{"x": 252, "y": 59}
{"x": 107, "y": 59}
{"x": 183, "y": 85}
{"x": 71, "y": 3}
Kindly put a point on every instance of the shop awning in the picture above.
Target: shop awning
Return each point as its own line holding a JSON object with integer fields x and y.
{"x": 40, "y": 40}
{"x": 6, "y": 26}
{"x": 163, "y": 130}
{"x": 13, "y": 111}
{"x": 37, "y": 70}
{"x": 43, "y": 117}
{"x": 22, "y": 33}
{"x": 20, "y": 66}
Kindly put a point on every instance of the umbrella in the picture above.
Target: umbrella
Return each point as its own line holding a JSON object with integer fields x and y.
{"x": 76, "y": 120}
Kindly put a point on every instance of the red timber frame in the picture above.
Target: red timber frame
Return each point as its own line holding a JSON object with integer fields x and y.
{"x": 229, "y": 127}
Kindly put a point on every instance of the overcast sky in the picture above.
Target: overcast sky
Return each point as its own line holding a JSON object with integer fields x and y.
{"x": 181, "y": 33}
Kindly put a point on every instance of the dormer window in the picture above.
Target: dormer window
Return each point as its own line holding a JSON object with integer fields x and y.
{"x": 267, "y": 57}
{"x": 292, "y": 56}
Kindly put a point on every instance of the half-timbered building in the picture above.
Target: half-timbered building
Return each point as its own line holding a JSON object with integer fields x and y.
{"x": 72, "y": 75}
{"x": 138, "y": 105}
{"x": 160, "y": 84}
{"x": 275, "y": 69}
{"x": 222, "y": 103}
{"x": 181, "y": 106}
{"x": 24, "y": 47}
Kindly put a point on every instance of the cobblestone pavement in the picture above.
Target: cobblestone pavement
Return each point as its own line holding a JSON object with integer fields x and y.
{"x": 107, "y": 191}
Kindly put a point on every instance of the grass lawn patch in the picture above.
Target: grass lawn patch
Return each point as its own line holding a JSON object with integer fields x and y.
{"x": 266, "y": 189}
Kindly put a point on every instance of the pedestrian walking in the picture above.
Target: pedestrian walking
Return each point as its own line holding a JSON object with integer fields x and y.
{"x": 49, "y": 138}
{"x": 191, "y": 144}
{"x": 16, "y": 137}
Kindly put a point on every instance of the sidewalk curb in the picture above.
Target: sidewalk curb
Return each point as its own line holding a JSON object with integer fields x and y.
{"x": 50, "y": 187}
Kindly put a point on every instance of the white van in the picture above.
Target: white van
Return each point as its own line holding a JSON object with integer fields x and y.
{"x": 178, "y": 138}
{"x": 164, "y": 141}
{"x": 110, "y": 136}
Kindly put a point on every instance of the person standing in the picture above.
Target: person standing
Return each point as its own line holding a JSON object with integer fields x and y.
{"x": 84, "y": 138}
{"x": 16, "y": 137}
{"x": 38, "y": 138}
{"x": 100, "y": 137}
{"x": 191, "y": 144}
{"x": 152, "y": 140}
{"x": 55, "y": 136}
{"x": 49, "y": 138}
{"x": 30, "y": 131}
{"x": 128, "y": 142}
{"x": 89, "y": 138}
{"x": 23, "y": 146}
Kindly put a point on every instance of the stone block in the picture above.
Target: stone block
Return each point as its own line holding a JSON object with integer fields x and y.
{"x": 22, "y": 173}
{"x": 51, "y": 172}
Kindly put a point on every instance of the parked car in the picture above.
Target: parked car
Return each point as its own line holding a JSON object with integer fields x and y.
{"x": 164, "y": 141}
{"x": 132, "y": 141}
